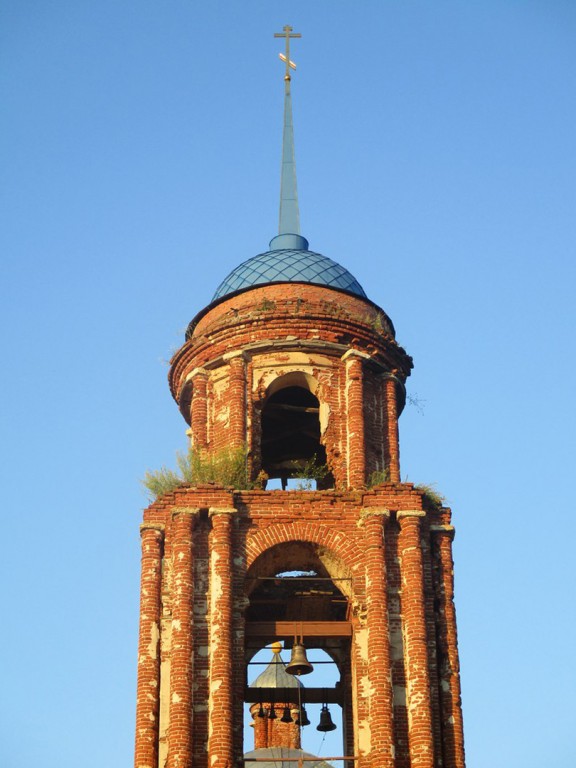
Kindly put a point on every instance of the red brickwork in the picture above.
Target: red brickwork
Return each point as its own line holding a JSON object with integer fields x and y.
{"x": 392, "y": 443}
{"x": 275, "y": 733}
{"x": 352, "y": 539}
{"x": 452, "y": 727}
{"x": 199, "y": 409}
{"x": 237, "y": 394}
{"x": 386, "y": 548}
{"x": 182, "y": 641}
{"x": 381, "y": 698}
{"x": 345, "y": 347}
{"x": 355, "y": 420}
{"x": 415, "y": 641}
{"x": 148, "y": 695}
{"x": 220, "y": 704}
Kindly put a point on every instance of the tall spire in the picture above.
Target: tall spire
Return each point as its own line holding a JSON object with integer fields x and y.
{"x": 289, "y": 223}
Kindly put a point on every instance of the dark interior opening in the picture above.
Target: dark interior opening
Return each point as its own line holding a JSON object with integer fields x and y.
{"x": 291, "y": 435}
{"x": 297, "y": 598}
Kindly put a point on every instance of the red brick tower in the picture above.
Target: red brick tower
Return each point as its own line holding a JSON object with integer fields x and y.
{"x": 292, "y": 367}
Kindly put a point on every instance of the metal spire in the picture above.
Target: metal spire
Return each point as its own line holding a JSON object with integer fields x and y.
{"x": 289, "y": 223}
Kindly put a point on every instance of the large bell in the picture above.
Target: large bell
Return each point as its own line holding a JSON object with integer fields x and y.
{"x": 325, "y": 723}
{"x": 299, "y": 664}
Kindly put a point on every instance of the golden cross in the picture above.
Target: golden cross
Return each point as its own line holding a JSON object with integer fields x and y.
{"x": 287, "y": 34}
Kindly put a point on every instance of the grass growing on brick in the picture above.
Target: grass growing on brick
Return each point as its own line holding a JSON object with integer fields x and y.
{"x": 308, "y": 472}
{"x": 431, "y": 495}
{"x": 378, "y": 477}
{"x": 227, "y": 467}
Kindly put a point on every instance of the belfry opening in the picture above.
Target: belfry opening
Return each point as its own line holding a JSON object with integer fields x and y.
{"x": 293, "y": 372}
{"x": 291, "y": 432}
{"x": 299, "y": 605}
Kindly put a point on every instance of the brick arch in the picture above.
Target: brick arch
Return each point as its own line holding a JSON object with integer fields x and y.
{"x": 338, "y": 543}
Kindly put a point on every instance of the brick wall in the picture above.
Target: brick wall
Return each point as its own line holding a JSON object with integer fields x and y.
{"x": 345, "y": 348}
{"x": 386, "y": 547}
{"x": 397, "y": 715}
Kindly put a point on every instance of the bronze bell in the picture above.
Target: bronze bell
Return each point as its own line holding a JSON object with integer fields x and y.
{"x": 303, "y": 718}
{"x": 261, "y": 712}
{"x": 325, "y": 723}
{"x": 272, "y": 714}
{"x": 286, "y": 717}
{"x": 299, "y": 664}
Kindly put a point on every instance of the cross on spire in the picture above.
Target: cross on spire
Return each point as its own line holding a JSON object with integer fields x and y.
{"x": 287, "y": 34}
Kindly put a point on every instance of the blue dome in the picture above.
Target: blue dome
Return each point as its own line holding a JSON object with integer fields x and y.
{"x": 289, "y": 265}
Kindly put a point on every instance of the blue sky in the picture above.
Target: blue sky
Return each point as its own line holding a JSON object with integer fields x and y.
{"x": 140, "y": 157}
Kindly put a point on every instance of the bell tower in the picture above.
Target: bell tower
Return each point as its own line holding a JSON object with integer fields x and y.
{"x": 295, "y": 375}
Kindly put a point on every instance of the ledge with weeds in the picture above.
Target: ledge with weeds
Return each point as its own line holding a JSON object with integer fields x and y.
{"x": 227, "y": 467}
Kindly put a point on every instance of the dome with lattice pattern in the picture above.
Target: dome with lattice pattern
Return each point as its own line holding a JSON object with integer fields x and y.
{"x": 289, "y": 265}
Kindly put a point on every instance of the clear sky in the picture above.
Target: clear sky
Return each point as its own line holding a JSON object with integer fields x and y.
{"x": 140, "y": 159}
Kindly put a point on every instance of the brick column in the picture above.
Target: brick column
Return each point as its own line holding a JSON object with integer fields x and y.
{"x": 415, "y": 640}
{"x": 452, "y": 726}
{"x": 220, "y": 705}
{"x": 392, "y": 439}
{"x": 355, "y": 418}
{"x": 199, "y": 409}
{"x": 237, "y": 399}
{"x": 148, "y": 690}
{"x": 359, "y": 724}
{"x": 182, "y": 643}
{"x": 381, "y": 696}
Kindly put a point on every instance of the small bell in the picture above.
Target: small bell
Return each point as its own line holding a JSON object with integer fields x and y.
{"x": 299, "y": 664}
{"x": 272, "y": 714}
{"x": 303, "y": 718}
{"x": 261, "y": 712}
{"x": 325, "y": 723}
{"x": 286, "y": 717}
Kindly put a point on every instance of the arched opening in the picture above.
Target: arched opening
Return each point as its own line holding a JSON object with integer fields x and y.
{"x": 297, "y": 722}
{"x": 291, "y": 444}
{"x": 299, "y": 590}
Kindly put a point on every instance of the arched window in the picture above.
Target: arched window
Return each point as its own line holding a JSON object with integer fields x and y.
{"x": 291, "y": 445}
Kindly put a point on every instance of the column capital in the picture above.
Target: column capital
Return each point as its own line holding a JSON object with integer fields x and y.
{"x": 237, "y": 353}
{"x": 176, "y": 511}
{"x": 447, "y": 530}
{"x": 221, "y": 511}
{"x": 355, "y": 353}
{"x": 367, "y": 512}
{"x": 402, "y": 513}
{"x": 195, "y": 373}
{"x": 159, "y": 527}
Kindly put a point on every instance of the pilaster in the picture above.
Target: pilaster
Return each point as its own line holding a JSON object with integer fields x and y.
{"x": 148, "y": 689}
{"x": 237, "y": 399}
{"x": 392, "y": 438}
{"x": 182, "y": 644}
{"x": 452, "y": 726}
{"x": 381, "y": 694}
{"x": 356, "y": 458}
{"x": 415, "y": 640}
{"x": 221, "y": 705}
{"x": 199, "y": 408}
